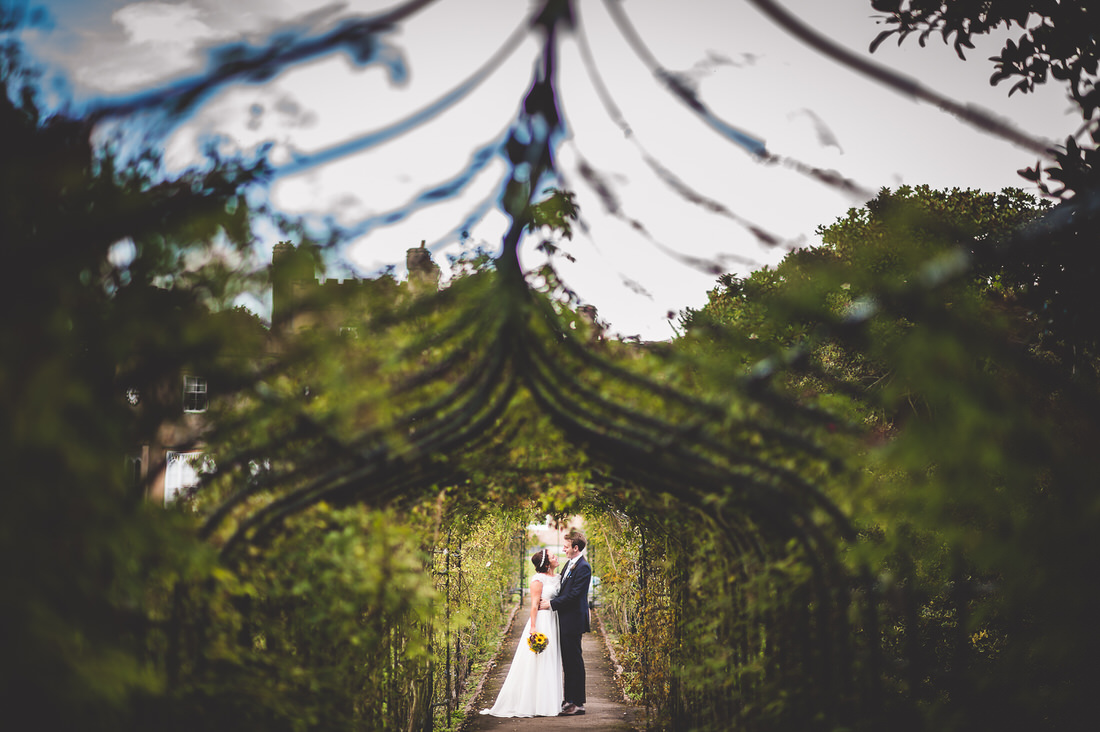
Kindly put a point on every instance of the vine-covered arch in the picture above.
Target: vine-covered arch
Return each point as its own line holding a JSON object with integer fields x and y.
{"x": 449, "y": 378}
{"x": 440, "y": 386}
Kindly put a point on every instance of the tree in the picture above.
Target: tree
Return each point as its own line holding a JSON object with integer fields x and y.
{"x": 1052, "y": 264}
{"x": 1063, "y": 43}
{"x": 873, "y": 252}
{"x": 107, "y": 264}
{"x": 974, "y": 450}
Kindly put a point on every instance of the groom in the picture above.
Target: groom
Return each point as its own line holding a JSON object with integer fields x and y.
{"x": 572, "y": 606}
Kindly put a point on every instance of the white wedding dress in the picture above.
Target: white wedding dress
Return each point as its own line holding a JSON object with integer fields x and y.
{"x": 533, "y": 687}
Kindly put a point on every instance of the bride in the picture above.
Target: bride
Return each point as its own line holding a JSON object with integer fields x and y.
{"x": 533, "y": 687}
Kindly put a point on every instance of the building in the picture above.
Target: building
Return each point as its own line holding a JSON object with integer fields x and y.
{"x": 170, "y": 404}
{"x": 299, "y": 300}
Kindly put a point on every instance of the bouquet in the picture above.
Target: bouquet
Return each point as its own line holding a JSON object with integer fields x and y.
{"x": 537, "y": 642}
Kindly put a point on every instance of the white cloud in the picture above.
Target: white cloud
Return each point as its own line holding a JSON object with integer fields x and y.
{"x": 175, "y": 25}
{"x": 151, "y": 41}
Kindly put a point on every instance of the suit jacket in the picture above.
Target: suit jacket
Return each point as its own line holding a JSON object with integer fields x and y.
{"x": 572, "y": 600}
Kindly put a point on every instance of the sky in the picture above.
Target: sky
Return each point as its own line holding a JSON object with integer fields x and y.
{"x": 667, "y": 202}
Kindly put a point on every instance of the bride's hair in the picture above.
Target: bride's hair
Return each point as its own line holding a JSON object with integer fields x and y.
{"x": 541, "y": 560}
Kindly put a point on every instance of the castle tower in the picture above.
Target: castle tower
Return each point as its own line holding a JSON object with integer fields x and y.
{"x": 423, "y": 272}
{"x": 590, "y": 316}
{"x": 292, "y": 270}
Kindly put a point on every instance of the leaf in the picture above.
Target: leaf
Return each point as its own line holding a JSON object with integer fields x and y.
{"x": 880, "y": 38}
{"x": 1032, "y": 174}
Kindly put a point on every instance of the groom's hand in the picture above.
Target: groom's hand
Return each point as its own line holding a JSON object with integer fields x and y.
{"x": 544, "y": 604}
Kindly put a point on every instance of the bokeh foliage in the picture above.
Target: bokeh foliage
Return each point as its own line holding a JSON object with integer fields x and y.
{"x": 972, "y": 498}
{"x": 76, "y": 610}
{"x": 120, "y": 614}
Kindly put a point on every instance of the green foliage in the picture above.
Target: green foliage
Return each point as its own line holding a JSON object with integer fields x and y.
{"x": 479, "y": 571}
{"x": 556, "y": 212}
{"x": 870, "y": 256}
{"x": 1052, "y": 265}
{"x": 284, "y": 643}
{"x": 708, "y": 636}
{"x": 122, "y": 615}
{"x": 108, "y": 268}
{"x": 1062, "y": 44}
{"x": 619, "y": 545}
{"x": 967, "y": 479}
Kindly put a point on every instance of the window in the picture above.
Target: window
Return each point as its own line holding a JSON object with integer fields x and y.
{"x": 133, "y": 471}
{"x": 194, "y": 394}
{"x": 181, "y": 473}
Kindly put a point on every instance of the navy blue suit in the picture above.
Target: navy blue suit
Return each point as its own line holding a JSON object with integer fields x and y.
{"x": 573, "y": 621}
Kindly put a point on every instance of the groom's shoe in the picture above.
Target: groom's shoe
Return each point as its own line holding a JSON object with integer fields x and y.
{"x": 570, "y": 709}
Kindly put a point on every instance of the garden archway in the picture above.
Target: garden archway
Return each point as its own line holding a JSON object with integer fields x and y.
{"x": 490, "y": 363}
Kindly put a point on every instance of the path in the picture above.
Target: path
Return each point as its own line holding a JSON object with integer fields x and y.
{"x": 606, "y": 709}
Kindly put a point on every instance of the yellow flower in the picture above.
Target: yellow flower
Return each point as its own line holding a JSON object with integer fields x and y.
{"x": 537, "y": 642}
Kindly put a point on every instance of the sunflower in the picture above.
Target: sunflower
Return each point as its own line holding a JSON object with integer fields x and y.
{"x": 537, "y": 642}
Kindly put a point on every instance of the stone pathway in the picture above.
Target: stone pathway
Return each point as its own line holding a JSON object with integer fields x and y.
{"x": 606, "y": 708}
